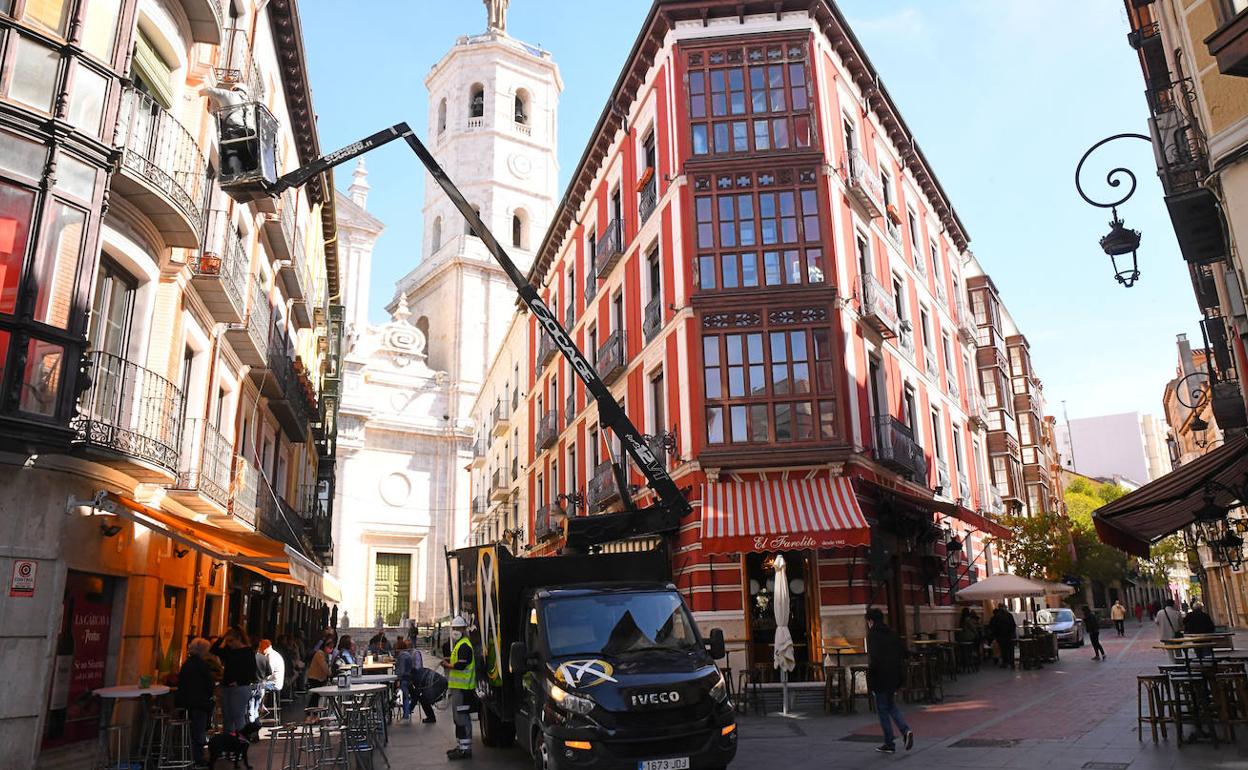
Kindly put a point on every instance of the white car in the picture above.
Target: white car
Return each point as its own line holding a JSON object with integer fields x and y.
{"x": 1063, "y": 624}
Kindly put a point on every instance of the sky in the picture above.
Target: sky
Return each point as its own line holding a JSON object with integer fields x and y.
{"x": 1003, "y": 96}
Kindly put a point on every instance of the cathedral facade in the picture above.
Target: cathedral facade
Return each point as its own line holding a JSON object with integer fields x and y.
{"x": 406, "y": 427}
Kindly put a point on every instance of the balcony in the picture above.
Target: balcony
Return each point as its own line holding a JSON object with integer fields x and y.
{"x": 246, "y": 482}
{"x": 546, "y": 350}
{"x": 131, "y": 417}
{"x": 647, "y": 200}
{"x": 591, "y": 286}
{"x": 878, "y": 309}
{"x": 895, "y": 448}
{"x": 569, "y": 409}
{"x": 162, "y": 171}
{"x": 966, "y": 322}
{"x": 612, "y": 357}
{"x": 235, "y": 65}
{"x": 864, "y": 186}
{"x": 501, "y": 418}
{"x": 944, "y": 482}
{"x": 1229, "y": 45}
{"x": 515, "y": 469}
{"x": 295, "y": 404}
{"x": 203, "y": 483}
{"x": 990, "y": 500}
{"x": 955, "y": 392}
{"x": 569, "y": 317}
{"x": 964, "y": 488}
{"x": 1228, "y": 405}
{"x": 499, "y": 489}
{"x": 296, "y": 283}
{"x": 279, "y": 228}
{"x": 219, "y": 273}
{"x": 905, "y": 340}
{"x": 610, "y": 248}
{"x": 929, "y": 365}
{"x": 318, "y": 521}
{"x": 658, "y": 449}
{"x": 250, "y": 340}
{"x": 652, "y": 319}
{"x": 479, "y": 449}
{"x": 479, "y": 507}
{"x": 547, "y": 522}
{"x": 602, "y": 487}
{"x": 978, "y": 410}
{"x": 547, "y": 430}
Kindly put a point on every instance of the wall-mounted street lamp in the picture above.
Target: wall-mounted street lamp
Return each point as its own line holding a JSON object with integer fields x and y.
{"x": 1120, "y": 240}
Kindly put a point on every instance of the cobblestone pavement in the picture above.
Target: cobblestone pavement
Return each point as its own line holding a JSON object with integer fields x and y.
{"x": 1075, "y": 714}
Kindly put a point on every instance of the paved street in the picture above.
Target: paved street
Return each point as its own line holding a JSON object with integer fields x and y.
{"x": 1074, "y": 714}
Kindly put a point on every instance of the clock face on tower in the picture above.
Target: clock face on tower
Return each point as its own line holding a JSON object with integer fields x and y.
{"x": 520, "y": 165}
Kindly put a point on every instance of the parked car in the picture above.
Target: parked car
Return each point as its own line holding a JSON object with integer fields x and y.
{"x": 1063, "y": 624}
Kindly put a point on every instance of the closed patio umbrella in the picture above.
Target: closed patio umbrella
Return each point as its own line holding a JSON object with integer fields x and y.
{"x": 783, "y": 654}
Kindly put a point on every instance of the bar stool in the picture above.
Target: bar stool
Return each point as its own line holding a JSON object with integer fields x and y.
{"x": 1191, "y": 703}
{"x": 835, "y": 695}
{"x": 949, "y": 657}
{"x": 858, "y": 673}
{"x": 915, "y": 687}
{"x": 270, "y": 707}
{"x": 112, "y": 752}
{"x": 1156, "y": 689}
{"x": 1230, "y": 695}
{"x": 175, "y": 745}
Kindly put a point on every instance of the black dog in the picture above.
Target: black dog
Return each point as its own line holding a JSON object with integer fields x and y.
{"x": 231, "y": 746}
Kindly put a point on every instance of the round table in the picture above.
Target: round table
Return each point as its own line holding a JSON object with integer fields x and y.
{"x": 123, "y": 692}
{"x": 335, "y": 694}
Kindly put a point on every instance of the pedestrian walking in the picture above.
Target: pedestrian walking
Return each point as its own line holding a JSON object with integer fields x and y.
{"x": 885, "y": 666}
{"x": 1004, "y": 630}
{"x": 1169, "y": 623}
{"x": 1139, "y": 613}
{"x": 1118, "y": 614}
{"x": 461, "y": 666}
{"x": 1092, "y": 627}
{"x": 196, "y": 682}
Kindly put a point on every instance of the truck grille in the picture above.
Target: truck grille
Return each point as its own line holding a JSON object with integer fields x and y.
{"x": 687, "y": 744}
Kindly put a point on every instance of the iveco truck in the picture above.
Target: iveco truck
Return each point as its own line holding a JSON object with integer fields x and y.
{"x": 593, "y": 661}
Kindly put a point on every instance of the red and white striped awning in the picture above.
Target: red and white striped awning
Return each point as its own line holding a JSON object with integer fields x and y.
{"x": 781, "y": 515}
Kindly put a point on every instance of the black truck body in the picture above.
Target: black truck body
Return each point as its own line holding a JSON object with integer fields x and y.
{"x": 650, "y": 697}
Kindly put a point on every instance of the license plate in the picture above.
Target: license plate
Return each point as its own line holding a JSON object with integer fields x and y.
{"x": 675, "y": 763}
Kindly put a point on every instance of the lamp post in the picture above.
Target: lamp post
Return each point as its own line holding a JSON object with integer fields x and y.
{"x": 1120, "y": 240}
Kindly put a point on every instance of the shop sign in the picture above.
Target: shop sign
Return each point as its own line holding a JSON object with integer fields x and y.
{"x": 23, "y": 581}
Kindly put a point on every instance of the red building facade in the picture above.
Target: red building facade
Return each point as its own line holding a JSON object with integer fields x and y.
{"x": 766, "y": 272}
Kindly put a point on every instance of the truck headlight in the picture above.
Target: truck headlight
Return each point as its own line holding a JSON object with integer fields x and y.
{"x": 577, "y": 704}
{"x": 719, "y": 690}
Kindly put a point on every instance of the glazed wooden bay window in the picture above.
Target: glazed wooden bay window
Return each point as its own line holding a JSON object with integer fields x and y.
{"x": 749, "y": 99}
{"x": 769, "y": 386}
{"x": 757, "y": 230}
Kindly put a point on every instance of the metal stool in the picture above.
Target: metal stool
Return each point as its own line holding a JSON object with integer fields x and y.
{"x": 272, "y": 701}
{"x": 152, "y": 736}
{"x": 175, "y": 745}
{"x": 112, "y": 752}
{"x": 1156, "y": 689}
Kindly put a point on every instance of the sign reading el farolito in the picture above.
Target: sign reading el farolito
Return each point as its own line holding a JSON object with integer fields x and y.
{"x": 23, "y": 580}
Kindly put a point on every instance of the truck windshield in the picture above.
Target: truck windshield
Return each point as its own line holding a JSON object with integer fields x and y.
{"x": 618, "y": 624}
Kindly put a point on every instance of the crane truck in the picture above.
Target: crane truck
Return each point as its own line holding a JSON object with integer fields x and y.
{"x": 587, "y": 659}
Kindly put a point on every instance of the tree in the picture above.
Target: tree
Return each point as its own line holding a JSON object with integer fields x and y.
{"x": 1093, "y": 559}
{"x": 1039, "y": 546}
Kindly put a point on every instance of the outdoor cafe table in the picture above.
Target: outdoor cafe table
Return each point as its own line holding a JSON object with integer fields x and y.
{"x": 336, "y": 694}
{"x": 377, "y": 668}
{"x": 123, "y": 692}
{"x": 386, "y": 679}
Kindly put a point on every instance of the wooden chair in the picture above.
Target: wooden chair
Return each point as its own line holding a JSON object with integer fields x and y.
{"x": 836, "y": 697}
{"x": 1156, "y": 690}
{"x": 914, "y": 689}
{"x": 1230, "y": 697}
{"x": 1191, "y": 703}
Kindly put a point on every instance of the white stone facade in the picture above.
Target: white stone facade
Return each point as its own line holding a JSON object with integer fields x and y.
{"x": 407, "y": 424}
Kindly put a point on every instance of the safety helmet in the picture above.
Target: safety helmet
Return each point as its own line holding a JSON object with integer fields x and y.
{"x": 459, "y": 622}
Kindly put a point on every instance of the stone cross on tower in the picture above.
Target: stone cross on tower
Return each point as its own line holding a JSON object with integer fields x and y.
{"x": 497, "y": 12}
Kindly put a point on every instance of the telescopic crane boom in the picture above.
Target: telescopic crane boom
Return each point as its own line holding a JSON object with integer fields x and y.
{"x": 583, "y": 532}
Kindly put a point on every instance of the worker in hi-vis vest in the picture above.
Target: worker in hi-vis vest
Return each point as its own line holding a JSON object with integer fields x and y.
{"x": 461, "y": 678}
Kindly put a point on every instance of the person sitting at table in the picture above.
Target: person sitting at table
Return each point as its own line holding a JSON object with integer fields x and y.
{"x": 344, "y": 653}
{"x": 1198, "y": 621}
{"x": 196, "y": 682}
{"x": 379, "y": 645}
{"x": 968, "y": 626}
{"x": 319, "y": 670}
{"x": 238, "y": 658}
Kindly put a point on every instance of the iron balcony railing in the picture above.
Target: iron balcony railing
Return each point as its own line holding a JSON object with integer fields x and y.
{"x": 235, "y": 64}
{"x": 647, "y": 200}
{"x": 966, "y": 322}
{"x": 591, "y": 285}
{"x": 500, "y": 419}
{"x": 569, "y": 316}
{"x": 515, "y": 468}
{"x": 658, "y": 448}
{"x": 652, "y": 321}
{"x": 569, "y": 409}
{"x": 205, "y": 461}
{"x": 130, "y": 410}
{"x": 544, "y": 522}
{"x": 219, "y": 273}
{"x": 878, "y": 310}
{"x": 964, "y": 487}
{"x": 546, "y": 350}
{"x": 547, "y": 430}
{"x": 929, "y": 362}
{"x": 498, "y": 486}
{"x": 954, "y": 390}
{"x": 259, "y": 319}
{"x": 478, "y": 506}
{"x": 863, "y": 185}
{"x": 896, "y": 448}
{"x": 602, "y": 487}
{"x": 943, "y": 480}
{"x": 612, "y": 356}
{"x": 610, "y": 247}
{"x": 243, "y": 490}
{"x": 159, "y": 149}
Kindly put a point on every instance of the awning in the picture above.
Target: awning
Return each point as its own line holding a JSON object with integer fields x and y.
{"x": 1164, "y": 506}
{"x": 258, "y": 553}
{"x": 930, "y": 503}
{"x": 781, "y": 515}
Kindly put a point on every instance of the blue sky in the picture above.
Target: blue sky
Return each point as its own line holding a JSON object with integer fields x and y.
{"x": 1003, "y": 95}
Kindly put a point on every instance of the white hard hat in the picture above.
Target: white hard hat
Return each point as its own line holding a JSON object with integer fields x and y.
{"x": 459, "y": 622}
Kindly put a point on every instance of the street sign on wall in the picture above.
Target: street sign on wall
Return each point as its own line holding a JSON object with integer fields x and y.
{"x": 23, "y": 581}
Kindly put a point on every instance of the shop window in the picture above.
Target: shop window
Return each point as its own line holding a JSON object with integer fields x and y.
{"x": 749, "y": 100}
